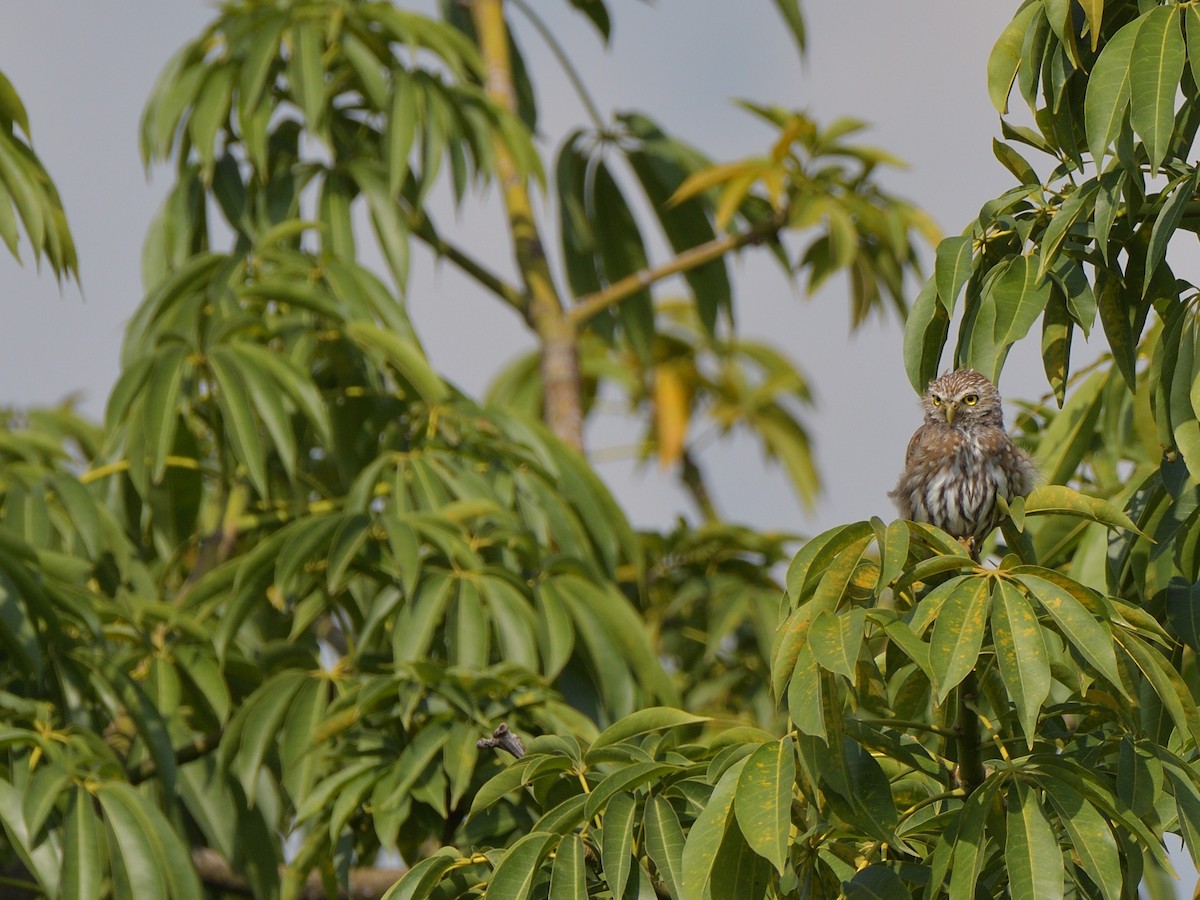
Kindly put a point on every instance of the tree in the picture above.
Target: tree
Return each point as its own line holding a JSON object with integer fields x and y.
{"x": 284, "y": 589}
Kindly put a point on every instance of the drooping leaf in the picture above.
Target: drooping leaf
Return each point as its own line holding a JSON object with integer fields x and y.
{"x": 644, "y": 721}
{"x": 1108, "y": 90}
{"x": 1020, "y": 654}
{"x": 1005, "y": 57}
{"x": 763, "y": 802}
{"x": 515, "y": 874}
{"x": 616, "y": 846}
{"x": 1031, "y": 853}
{"x": 1091, "y": 638}
{"x": 664, "y": 842}
{"x": 958, "y": 635}
{"x": 1156, "y": 66}
{"x": 706, "y": 835}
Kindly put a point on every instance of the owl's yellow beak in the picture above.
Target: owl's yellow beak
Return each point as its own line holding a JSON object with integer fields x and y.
{"x": 951, "y": 408}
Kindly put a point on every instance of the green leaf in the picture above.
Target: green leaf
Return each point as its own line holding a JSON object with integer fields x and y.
{"x": 654, "y": 718}
{"x": 1108, "y": 91}
{"x": 858, "y": 779}
{"x": 568, "y": 878}
{"x": 12, "y": 110}
{"x": 894, "y": 552}
{"x": 790, "y": 10}
{"x": 241, "y": 427}
{"x": 763, "y": 802}
{"x": 1021, "y": 655}
{"x": 1060, "y": 500}
{"x": 1183, "y": 611}
{"x": 738, "y": 871}
{"x": 160, "y": 412}
{"x": 1057, "y": 329}
{"x": 334, "y": 213}
{"x": 1166, "y": 683}
{"x": 402, "y": 123}
{"x": 1017, "y": 297}
{"x": 1014, "y": 162}
{"x": 1005, "y": 57}
{"x": 518, "y": 868}
{"x": 1192, "y": 29}
{"x": 875, "y": 883}
{"x": 83, "y": 864}
{"x": 836, "y": 639}
{"x": 622, "y": 253}
{"x": 706, "y": 835}
{"x": 970, "y": 841}
{"x": 267, "y": 401}
{"x": 661, "y": 165}
{"x": 405, "y": 356}
{"x": 1090, "y": 836}
{"x": 804, "y": 695}
{"x": 616, "y": 844}
{"x": 18, "y": 630}
{"x": 958, "y": 635}
{"x": 306, "y": 74}
{"x": 625, "y": 778}
{"x": 1156, "y": 66}
{"x": 1070, "y": 434}
{"x": 209, "y": 112}
{"x": 257, "y": 725}
{"x": 154, "y": 858}
{"x": 925, "y": 333}
{"x": 1031, "y": 854}
{"x": 419, "y": 882}
{"x": 952, "y": 268}
{"x": 1091, "y": 638}
{"x": 1077, "y": 204}
{"x": 1165, "y": 224}
{"x": 295, "y": 382}
{"x": 576, "y": 235}
{"x": 664, "y": 842}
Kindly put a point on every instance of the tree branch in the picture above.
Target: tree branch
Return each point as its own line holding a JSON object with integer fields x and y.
{"x": 592, "y": 304}
{"x": 424, "y": 230}
{"x": 969, "y": 773}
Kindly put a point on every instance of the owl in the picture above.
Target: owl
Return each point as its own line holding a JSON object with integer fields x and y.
{"x": 960, "y": 459}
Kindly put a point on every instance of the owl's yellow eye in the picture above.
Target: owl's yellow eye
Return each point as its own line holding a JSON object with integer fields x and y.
{"x": 937, "y": 401}
{"x": 971, "y": 399}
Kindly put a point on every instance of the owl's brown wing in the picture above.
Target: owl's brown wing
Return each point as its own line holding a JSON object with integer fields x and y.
{"x": 925, "y": 439}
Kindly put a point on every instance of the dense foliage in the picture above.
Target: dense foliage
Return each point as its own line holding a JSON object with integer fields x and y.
{"x": 257, "y": 621}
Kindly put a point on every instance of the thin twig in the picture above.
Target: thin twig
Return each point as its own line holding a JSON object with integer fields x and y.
{"x": 503, "y": 739}
{"x": 592, "y": 304}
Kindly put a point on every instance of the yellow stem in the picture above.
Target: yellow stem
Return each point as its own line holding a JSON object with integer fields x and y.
{"x": 543, "y": 307}
{"x": 122, "y": 465}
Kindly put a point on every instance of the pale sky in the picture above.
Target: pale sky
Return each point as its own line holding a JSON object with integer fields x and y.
{"x": 915, "y": 71}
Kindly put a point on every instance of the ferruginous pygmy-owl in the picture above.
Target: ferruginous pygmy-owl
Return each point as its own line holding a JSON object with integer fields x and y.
{"x": 960, "y": 459}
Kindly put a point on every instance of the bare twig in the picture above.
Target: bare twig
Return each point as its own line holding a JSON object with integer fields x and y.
{"x": 590, "y": 305}
{"x": 503, "y": 739}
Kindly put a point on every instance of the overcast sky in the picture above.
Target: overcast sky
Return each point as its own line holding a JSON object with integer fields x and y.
{"x": 915, "y": 71}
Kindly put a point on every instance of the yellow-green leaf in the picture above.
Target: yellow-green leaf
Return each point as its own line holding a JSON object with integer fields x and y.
{"x": 763, "y": 803}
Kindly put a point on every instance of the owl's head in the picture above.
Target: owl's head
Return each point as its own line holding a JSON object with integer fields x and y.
{"x": 963, "y": 398}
